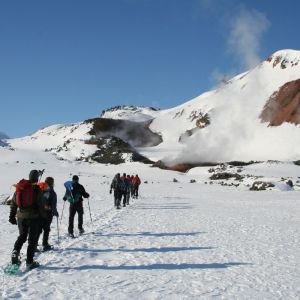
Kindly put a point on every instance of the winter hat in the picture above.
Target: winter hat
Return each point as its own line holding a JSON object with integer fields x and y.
{"x": 50, "y": 181}
{"x": 34, "y": 176}
{"x": 75, "y": 178}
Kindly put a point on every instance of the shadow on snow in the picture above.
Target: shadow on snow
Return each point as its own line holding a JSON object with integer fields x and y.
{"x": 149, "y": 267}
{"x": 163, "y": 249}
{"x": 146, "y": 233}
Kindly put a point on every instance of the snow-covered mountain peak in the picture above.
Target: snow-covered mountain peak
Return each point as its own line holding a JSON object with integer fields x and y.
{"x": 132, "y": 113}
{"x": 285, "y": 59}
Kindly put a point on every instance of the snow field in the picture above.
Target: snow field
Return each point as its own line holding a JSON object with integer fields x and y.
{"x": 177, "y": 241}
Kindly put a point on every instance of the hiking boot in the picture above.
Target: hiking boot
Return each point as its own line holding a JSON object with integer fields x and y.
{"x": 71, "y": 235}
{"x": 15, "y": 258}
{"x": 118, "y": 207}
{"x": 37, "y": 250}
{"x": 81, "y": 231}
{"x": 47, "y": 247}
{"x": 33, "y": 265}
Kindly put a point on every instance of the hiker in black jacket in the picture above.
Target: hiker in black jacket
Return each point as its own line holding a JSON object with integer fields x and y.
{"x": 116, "y": 185}
{"x": 75, "y": 198}
{"x": 48, "y": 210}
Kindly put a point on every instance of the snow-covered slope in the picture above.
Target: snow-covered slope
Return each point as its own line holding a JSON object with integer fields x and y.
{"x": 225, "y": 124}
{"x": 65, "y": 141}
{"x": 231, "y": 122}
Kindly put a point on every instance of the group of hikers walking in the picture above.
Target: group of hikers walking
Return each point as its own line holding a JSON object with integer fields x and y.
{"x": 124, "y": 187}
{"x": 34, "y": 204}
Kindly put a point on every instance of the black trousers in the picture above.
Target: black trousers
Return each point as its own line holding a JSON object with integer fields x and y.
{"x": 136, "y": 192}
{"x": 75, "y": 208}
{"x": 45, "y": 227}
{"x": 28, "y": 228}
{"x": 118, "y": 197}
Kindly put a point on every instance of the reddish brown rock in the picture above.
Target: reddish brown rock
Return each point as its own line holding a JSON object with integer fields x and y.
{"x": 283, "y": 105}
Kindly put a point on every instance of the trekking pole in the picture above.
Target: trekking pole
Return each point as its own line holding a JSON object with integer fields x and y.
{"x": 41, "y": 172}
{"x": 62, "y": 212}
{"x": 57, "y": 230}
{"x": 90, "y": 213}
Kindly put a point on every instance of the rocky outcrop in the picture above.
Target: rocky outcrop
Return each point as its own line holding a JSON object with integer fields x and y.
{"x": 283, "y": 105}
{"x": 137, "y": 134}
{"x": 112, "y": 150}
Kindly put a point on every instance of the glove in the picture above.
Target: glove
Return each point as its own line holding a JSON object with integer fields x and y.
{"x": 64, "y": 198}
{"x": 12, "y": 220}
{"x": 55, "y": 214}
{"x": 110, "y": 191}
{"x": 87, "y": 195}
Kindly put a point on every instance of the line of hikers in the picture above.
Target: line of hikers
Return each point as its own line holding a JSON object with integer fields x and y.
{"x": 34, "y": 204}
{"x": 124, "y": 187}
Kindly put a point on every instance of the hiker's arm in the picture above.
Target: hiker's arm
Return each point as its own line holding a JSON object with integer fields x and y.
{"x": 13, "y": 210}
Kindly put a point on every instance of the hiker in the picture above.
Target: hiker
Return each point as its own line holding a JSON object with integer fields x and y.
{"x": 25, "y": 205}
{"x": 128, "y": 189}
{"x": 131, "y": 183}
{"x": 125, "y": 186}
{"x": 116, "y": 185}
{"x": 74, "y": 196}
{"x": 48, "y": 210}
{"x": 136, "y": 181}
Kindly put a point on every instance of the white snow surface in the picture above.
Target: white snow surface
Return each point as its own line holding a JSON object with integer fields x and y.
{"x": 177, "y": 241}
{"x": 131, "y": 113}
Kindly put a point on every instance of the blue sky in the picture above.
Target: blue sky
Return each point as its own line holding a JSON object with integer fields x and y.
{"x": 63, "y": 61}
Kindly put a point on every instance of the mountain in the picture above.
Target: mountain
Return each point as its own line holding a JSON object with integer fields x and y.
{"x": 253, "y": 116}
{"x": 238, "y": 120}
{"x": 133, "y": 113}
{"x": 3, "y": 136}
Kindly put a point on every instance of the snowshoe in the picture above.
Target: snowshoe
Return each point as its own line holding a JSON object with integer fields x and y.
{"x": 11, "y": 269}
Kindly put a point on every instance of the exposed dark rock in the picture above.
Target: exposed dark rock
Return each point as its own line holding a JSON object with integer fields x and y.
{"x": 182, "y": 167}
{"x": 242, "y": 163}
{"x": 137, "y": 134}
{"x": 290, "y": 183}
{"x": 175, "y": 180}
{"x": 283, "y": 105}
{"x": 261, "y": 186}
{"x": 225, "y": 175}
{"x": 113, "y": 150}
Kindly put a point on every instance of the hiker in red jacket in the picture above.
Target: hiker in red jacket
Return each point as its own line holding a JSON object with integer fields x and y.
{"x": 136, "y": 181}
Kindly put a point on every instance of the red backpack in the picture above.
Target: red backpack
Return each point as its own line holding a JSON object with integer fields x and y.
{"x": 24, "y": 194}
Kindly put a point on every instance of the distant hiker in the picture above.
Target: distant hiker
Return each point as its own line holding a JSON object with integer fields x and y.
{"x": 125, "y": 186}
{"x": 48, "y": 209}
{"x": 74, "y": 193}
{"x": 136, "y": 181}
{"x": 117, "y": 185}
{"x": 131, "y": 183}
{"x": 25, "y": 205}
{"x": 128, "y": 189}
